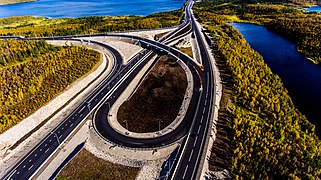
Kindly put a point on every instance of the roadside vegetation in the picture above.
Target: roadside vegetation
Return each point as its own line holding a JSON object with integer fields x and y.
{"x": 87, "y": 166}
{"x": 40, "y": 26}
{"x": 157, "y": 100}
{"x": 270, "y": 138}
{"x": 34, "y": 72}
{"x": 304, "y": 29}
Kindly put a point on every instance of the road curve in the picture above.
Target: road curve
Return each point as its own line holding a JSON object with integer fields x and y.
{"x": 49, "y": 145}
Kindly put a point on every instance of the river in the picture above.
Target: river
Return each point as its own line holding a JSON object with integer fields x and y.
{"x": 80, "y": 8}
{"x": 300, "y": 76}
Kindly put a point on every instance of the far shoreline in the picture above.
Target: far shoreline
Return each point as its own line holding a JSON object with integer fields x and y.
{"x": 16, "y": 2}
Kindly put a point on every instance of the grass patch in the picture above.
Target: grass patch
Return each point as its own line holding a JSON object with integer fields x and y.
{"x": 87, "y": 166}
{"x": 187, "y": 50}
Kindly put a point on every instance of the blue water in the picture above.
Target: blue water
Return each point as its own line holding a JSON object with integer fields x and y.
{"x": 314, "y": 9}
{"x": 300, "y": 76}
{"x": 80, "y": 8}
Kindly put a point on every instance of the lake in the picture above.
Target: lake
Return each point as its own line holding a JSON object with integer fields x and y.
{"x": 80, "y": 8}
{"x": 314, "y": 9}
{"x": 300, "y": 76}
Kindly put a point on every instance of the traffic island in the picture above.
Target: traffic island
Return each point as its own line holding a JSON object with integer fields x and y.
{"x": 158, "y": 99}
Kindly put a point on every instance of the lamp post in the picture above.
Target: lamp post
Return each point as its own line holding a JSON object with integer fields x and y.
{"x": 159, "y": 125}
{"x": 55, "y": 134}
{"x": 126, "y": 122}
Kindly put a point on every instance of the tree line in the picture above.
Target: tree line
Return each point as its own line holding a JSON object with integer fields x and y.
{"x": 86, "y": 25}
{"x": 35, "y": 76}
{"x": 304, "y": 29}
{"x": 271, "y": 139}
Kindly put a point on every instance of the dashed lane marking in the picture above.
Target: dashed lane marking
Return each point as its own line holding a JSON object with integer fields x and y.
{"x": 199, "y": 128}
{"x": 30, "y": 167}
{"x": 190, "y": 156}
{"x": 195, "y": 141}
{"x": 185, "y": 171}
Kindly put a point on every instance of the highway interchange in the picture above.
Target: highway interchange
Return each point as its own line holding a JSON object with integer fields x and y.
{"x": 193, "y": 131}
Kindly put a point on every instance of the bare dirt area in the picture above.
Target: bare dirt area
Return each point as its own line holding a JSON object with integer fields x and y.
{"x": 157, "y": 101}
{"x": 87, "y": 166}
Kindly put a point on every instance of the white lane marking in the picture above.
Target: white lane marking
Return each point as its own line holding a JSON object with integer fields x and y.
{"x": 36, "y": 155}
{"x": 199, "y": 128}
{"x": 12, "y": 174}
{"x": 195, "y": 141}
{"x": 47, "y": 150}
{"x": 30, "y": 167}
{"x": 81, "y": 115}
{"x": 66, "y": 124}
{"x": 30, "y": 160}
{"x": 59, "y": 136}
{"x": 206, "y": 94}
{"x": 202, "y": 119}
{"x": 185, "y": 171}
{"x": 81, "y": 109}
{"x": 205, "y": 102}
{"x": 190, "y": 156}
{"x": 24, "y": 166}
{"x": 62, "y": 128}
{"x": 18, "y": 172}
{"x": 50, "y": 140}
{"x": 46, "y": 145}
{"x": 58, "y": 132}
{"x": 203, "y": 110}
{"x": 71, "y": 124}
{"x": 40, "y": 150}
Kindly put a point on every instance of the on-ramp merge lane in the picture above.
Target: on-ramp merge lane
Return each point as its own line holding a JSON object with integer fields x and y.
{"x": 29, "y": 164}
{"x": 40, "y": 154}
{"x": 189, "y": 162}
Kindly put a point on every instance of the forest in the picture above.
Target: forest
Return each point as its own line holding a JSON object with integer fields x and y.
{"x": 40, "y": 27}
{"x": 304, "y": 29}
{"x": 34, "y": 72}
{"x": 270, "y": 138}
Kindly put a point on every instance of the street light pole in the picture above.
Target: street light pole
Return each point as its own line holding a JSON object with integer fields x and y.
{"x": 55, "y": 134}
{"x": 126, "y": 124}
{"x": 159, "y": 125}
